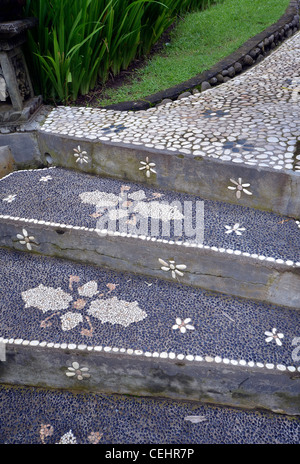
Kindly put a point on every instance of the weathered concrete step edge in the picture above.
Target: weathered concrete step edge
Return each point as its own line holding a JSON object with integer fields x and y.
{"x": 222, "y": 270}
{"x": 271, "y": 190}
{"x": 210, "y": 380}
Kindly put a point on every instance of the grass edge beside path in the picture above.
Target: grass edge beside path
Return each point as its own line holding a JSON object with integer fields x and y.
{"x": 199, "y": 41}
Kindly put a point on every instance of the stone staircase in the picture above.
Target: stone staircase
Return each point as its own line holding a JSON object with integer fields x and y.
{"x": 150, "y": 270}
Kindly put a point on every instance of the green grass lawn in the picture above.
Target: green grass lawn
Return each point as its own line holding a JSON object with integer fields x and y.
{"x": 199, "y": 41}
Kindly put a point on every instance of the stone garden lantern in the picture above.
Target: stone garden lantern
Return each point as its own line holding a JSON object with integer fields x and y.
{"x": 17, "y": 100}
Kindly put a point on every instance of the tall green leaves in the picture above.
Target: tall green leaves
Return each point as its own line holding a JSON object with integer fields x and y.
{"x": 66, "y": 50}
{"x": 79, "y": 42}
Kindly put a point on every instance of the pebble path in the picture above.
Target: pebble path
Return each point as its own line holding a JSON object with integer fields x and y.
{"x": 252, "y": 119}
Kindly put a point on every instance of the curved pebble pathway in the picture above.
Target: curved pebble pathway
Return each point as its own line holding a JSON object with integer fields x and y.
{"x": 252, "y": 119}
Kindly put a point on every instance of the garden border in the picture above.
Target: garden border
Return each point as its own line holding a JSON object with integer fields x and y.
{"x": 249, "y": 54}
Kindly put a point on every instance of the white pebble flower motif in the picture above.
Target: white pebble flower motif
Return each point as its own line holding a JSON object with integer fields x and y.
{"x": 82, "y": 156}
{"x": 176, "y": 269}
{"x": 273, "y": 335}
{"x": 183, "y": 325}
{"x": 236, "y": 228}
{"x": 55, "y": 300}
{"x": 45, "y": 178}
{"x": 239, "y": 187}
{"x": 9, "y": 198}
{"x": 76, "y": 371}
{"x": 148, "y": 167}
{"x": 26, "y": 239}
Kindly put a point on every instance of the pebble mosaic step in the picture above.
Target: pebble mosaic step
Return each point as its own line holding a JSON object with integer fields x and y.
{"x": 131, "y": 227}
{"x": 56, "y": 417}
{"x": 177, "y": 297}
{"x": 246, "y": 129}
{"x": 76, "y": 327}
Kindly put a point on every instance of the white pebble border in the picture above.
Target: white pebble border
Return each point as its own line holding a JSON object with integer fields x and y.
{"x": 148, "y": 354}
{"x": 26, "y": 170}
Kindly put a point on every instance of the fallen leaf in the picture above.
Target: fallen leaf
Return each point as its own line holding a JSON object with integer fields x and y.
{"x": 195, "y": 419}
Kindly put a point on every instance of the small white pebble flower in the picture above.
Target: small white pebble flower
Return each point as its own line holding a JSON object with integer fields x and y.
{"x": 273, "y": 335}
{"x": 45, "y": 178}
{"x": 79, "y": 372}
{"x": 176, "y": 269}
{"x": 183, "y": 325}
{"x": 236, "y": 228}
{"x": 82, "y": 156}
{"x": 10, "y": 198}
{"x": 146, "y": 165}
{"x": 26, "y": 239}
{"x": 239, "y": 187}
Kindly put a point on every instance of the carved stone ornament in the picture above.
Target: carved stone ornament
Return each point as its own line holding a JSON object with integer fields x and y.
{"x": 17, "y": 100}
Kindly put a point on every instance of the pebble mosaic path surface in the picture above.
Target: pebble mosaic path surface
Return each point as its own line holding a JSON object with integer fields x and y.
{"x": 52, "y": 195}
{"x": 252, "y": 119}
{"x": 65, "y": 304}
{"x": 45, "y": 417}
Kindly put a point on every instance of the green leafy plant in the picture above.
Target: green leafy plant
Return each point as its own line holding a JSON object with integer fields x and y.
{"x": 80, "y": 42}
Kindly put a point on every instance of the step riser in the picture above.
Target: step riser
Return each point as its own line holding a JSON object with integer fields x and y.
{"x": 271, "y": 190}
{"x": 138, "y": 375}
{"x": 206, "y": 268}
